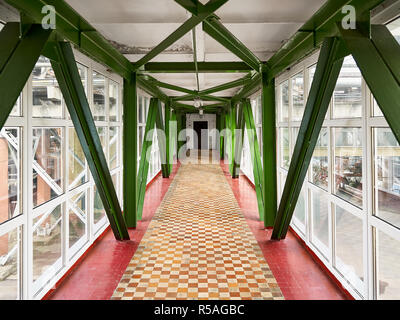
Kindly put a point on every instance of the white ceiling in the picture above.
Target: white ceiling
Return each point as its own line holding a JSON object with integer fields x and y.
{"x": 262, "y": 25}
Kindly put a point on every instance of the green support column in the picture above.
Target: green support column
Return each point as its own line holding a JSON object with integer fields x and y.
{"x": 239, "y": 137}
{"x": 221, "y": 137}
{"x": 269, "y": 149}
{"x": 161, "y": 138}
{"x": 68, "y": 77}
{"x": 173, "y": 140}
{"x": 18, "y": 57}
{"x": 130, "y": 151}
{"x": 255, "y": 156}
{"x": 378, "y": 60}
{"x": 232, "y": 126}
{"x": 168, "y": 137}
{"x": 326, "y": 75}
{"x": 144, "y": 162}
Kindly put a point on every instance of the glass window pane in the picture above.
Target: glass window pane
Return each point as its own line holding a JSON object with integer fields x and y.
{"x": 347, "y": 97}
{"x": 46, "y": 93}
{"x": 10, "y": 173}
{"x": 295, "y": 133}
{"x": 114, "y": 147}
{"x": 300, "y": 211}
{"x": 102, "y": 132}
{"x": 320, "y": 221}
{"x": 284, "y": 114}
{"x": 47, "y": 229}
{"x": 394, "y": 28}
{"x": 47, "y": 164}
{"x": 298, "y": 97}
{"x": 83, "y": 73}
{"x": 387, "y": 176}
{"x": 77, "y": 222}
{"x": 319, "y": 162}
{"x": 113, "y": 100}
{"x": 284, "y": 141}
{"x": 348, "y": 164}
{"x": 16, "y": 111}
{"x": 99, "y": 212}
{"x": 311, "y": 74}
{"x": 10, "y": 265}
{"x": 99, "y": 97}
{"x": 349, "y": 247}
{"x": 377, "y": 112}
{"x": 388, "y": 267}
{"x": 77, "y": 165}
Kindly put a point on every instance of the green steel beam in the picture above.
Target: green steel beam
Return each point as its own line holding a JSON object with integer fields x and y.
{"x": 196, "y": 66}
{"x": 232, "y": 127}
{"x": 255, "y": 156}
{"x": 388, "y": 48}
{"x": 68, "y": 77}
{"x": 189, "y": 5}
{"x": 251, "y": 87}
{"x": 324, "y": 82}
{"x": 226, "y": 86}
{"x": 311, "y": 35}
{"x": 239, "y": 137}
{"x": 209, "y": 8}
{"x": 217, "y": 31}
{"x": 221, "y": 137}
{"x": 161, "y": 138}
{"x": 173, "y": 138}
{"x": 161, "y": 84}
{"x": 378, "y": 60}
{"x": 144, "y": 162}
{"x": 71, "y": 26}
{"x": 168, "y": 136}
{"x": 189, "y": 67}
{"x": 130, "y": 151}
{"x": 190, "y": 97}
{"x": 269, "y": 149}
{"x": 151, "y": 89}
{"x": 18, "y": 57}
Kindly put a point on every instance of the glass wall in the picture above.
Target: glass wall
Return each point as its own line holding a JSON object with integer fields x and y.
{"x": 50, "y": 210}
{"x": 351, "y": 196}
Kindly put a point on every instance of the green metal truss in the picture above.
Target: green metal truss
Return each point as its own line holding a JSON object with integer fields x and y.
{"x": 189, "y": 67}
{"x": 187, "y": 26}
{"x": 378, "y": 59}
{"x": 215, "y": 29}
{"x": 67, "y": 75}
{"x": 324, "y": 82}
{"x": 15, "y": 64}
{"x": 130, "y": 151}
{"x": 255, "y": 155}
{"x": 168, "y": 136}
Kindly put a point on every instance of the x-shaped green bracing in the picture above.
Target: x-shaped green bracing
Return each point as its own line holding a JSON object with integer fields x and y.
{"x": 72, "y": 27}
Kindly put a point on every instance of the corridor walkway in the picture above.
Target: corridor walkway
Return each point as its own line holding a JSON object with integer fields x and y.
{"x": 198, "y": 246}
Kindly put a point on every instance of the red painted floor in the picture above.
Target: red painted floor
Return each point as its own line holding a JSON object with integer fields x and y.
{"x": 298, "y": 275}
{"x": 295, "y": 270}
{"x": 99, "y": 273}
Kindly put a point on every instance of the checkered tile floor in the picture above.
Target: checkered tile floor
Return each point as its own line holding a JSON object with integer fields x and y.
{"x": 198, "y": 246}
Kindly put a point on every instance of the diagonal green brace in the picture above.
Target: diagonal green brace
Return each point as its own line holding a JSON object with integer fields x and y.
{"x": 18, "y": 57}
{"x": 145, "y": 154}
{"x": 239, "y": 137}
{"x": 255, "y": 156}
{"x": 162, "y": 143}
{"x": 378, "y": 60}
{"x": 67, "y": 75}
{"x": 188, "y": 25}
{"x": 327, "y": 72}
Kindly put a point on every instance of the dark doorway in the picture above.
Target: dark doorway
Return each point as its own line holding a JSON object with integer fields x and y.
{"x": 198, "y": 127}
